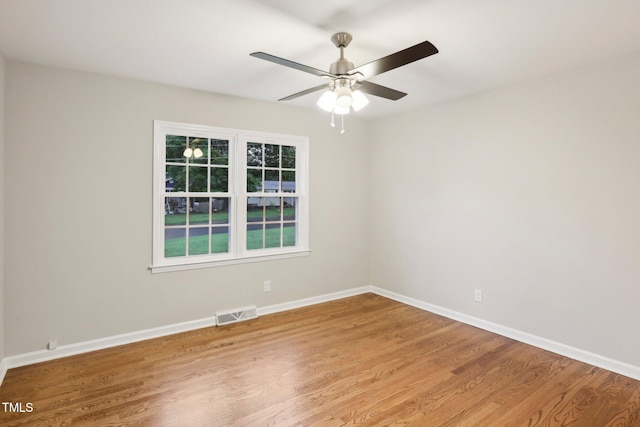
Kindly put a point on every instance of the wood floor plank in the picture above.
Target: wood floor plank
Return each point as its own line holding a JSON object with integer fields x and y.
{"x": 358, "y": 361}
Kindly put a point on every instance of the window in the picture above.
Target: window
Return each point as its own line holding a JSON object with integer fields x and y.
{"x": 224, "y": 196}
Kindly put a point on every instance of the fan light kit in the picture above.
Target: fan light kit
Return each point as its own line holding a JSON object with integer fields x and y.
{"x": 347, "y": 84}
{"x": 192, "y": 153}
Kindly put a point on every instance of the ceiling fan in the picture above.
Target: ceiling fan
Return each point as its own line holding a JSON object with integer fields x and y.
{"x": 347, "y": 83}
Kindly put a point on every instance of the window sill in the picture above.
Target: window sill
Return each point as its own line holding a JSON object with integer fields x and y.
{"x": 208, "y": 264}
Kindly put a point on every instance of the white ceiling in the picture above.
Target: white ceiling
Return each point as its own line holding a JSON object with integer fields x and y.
{"x": 205, "y": 44}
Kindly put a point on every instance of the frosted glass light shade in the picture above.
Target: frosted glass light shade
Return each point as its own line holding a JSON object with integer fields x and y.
{"x": 344, "y": 98}
{"x": 327, "y": 101}
{"x": 188, "y": 152}
{"x": 359, "y": 100}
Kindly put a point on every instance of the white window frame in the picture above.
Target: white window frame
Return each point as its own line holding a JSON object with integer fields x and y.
{"x": 237, "y": 193}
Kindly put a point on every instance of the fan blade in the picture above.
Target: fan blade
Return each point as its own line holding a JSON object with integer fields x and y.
{"x": 292, "y": 64}
{"x": 381, "y": 91}
{"x": 304, "y": 92}
{"x": 395, "y": 60}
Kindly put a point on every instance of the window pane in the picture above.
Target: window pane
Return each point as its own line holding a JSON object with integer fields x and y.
{"x": 174, "y": 242}
{"x": 219, "y": 240}
{"x": 273, "y": 236}
{"x": 288, "y": 181}
{"x": 175, "y": 178}
{"x": 219, "y": 152}
{"x": 255, "y": 209}
{"x": 198, "y": 241}
{"x": 289, "y": 234}
{"x": 174, "y": 148}
{"x": 220, "y": 210}
{"x": 288, "y": 157}
{"x": 254, "y": 180}
{"x": 272, "y": 211}
{"x": 254, "y": 154}
{"x": 272, "y": 155}
{"x": 175, "y": 210}
{"x": 271, "y": 181}
{"x": 289, "y": 211}
{"x": 200, "y": 210}
{"x": 199, "y": 150}
{"x": 255, "y": 236}
{"x": 219, "y": 179}
{"x": 197, "y": 179}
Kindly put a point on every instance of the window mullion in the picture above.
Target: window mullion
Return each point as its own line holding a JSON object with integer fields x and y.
{"x": 241, "y": 197}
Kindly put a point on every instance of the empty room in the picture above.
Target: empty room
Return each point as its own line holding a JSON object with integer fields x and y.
{"x": 357, "y": 212}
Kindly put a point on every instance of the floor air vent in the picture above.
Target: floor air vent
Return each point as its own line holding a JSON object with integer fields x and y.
{"x": 236, "y": 315}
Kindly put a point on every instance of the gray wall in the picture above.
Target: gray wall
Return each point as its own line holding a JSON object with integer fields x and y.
{"x": 78, "y": 204}
{"x": 530, "y": 193}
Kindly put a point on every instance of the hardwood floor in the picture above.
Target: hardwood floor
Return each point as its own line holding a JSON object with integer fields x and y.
{"x": 364, "y": 360}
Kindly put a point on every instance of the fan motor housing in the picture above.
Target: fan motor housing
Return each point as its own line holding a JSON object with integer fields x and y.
{"x": 341, "y": 66}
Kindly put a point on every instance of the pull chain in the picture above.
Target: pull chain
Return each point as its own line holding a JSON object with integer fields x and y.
{"x": 333, "y": 122}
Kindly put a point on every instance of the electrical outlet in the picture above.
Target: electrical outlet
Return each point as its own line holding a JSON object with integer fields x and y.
{"x": 53, "y": 344}
{"x": 267, "y": 285}
{"x": 477, "y": 295}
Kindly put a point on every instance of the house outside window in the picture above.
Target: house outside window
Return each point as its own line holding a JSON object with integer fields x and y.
{"x": 225, "y": 196}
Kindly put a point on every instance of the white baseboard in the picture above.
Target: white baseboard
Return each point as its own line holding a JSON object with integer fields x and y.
{"x": 99, "y": 344}
{"x": 102, "y": 343}
{"x": 603, "y": 362}
{"x": 276, "y": 308}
